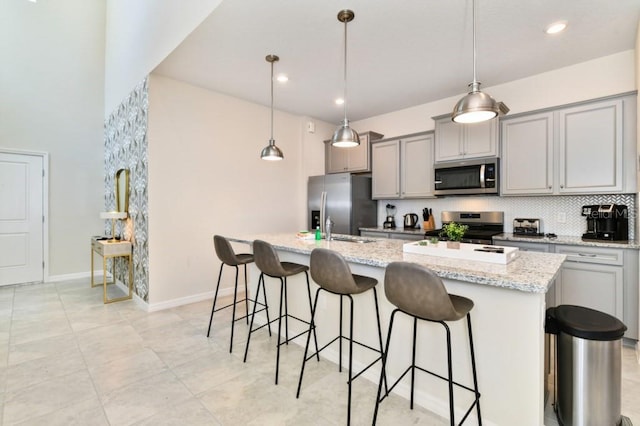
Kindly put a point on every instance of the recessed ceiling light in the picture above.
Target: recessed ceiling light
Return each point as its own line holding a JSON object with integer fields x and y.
{"x": 282, "y": 78}
{"x": 339, "y": 101}
{"x": 556, "y": 27}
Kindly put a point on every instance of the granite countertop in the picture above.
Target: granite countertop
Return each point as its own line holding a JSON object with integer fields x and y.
{"x": 569, "y": 240}
{"x": 531, "y": 272}
{"x": 398, "y": 230}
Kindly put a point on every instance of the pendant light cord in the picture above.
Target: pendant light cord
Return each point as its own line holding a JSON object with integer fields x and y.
{"x": 271, "y": 141}
{"x": 345, "y": 71}
{"x": 473, "y": 13}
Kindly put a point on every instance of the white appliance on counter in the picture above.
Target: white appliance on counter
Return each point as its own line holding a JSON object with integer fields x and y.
{"x": 346, "y": 198}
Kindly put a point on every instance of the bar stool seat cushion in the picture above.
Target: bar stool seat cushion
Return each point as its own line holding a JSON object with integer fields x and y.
{"x": 418, "y": 291}
{"x": 268, "y": 262}
{"x": 244, "y": 258}
{"x": 291, "y": 268}
{"x": 332, "y": 273}
{"x": 227, "y": 255}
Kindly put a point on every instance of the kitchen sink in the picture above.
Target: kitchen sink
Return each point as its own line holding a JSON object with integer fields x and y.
{"x": 352, "y": 239}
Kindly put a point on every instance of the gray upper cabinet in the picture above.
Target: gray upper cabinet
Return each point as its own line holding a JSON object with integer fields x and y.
{"x": 403, "y": 167}
{"x": 582, "y": 149}
{"x": 355, "y": 159}
{"x": 527, "y": 155}
{"x": 385, "y": 169}
{"x": 590, "y": 148}
{"x": 454, "y": 141}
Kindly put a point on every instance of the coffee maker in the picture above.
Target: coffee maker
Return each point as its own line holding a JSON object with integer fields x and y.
{"x": 390, "y": 222}
{"x": 606, "y": 222}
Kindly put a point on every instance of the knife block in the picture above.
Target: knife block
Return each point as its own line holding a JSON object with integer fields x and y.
{"x": 429, "y": 225}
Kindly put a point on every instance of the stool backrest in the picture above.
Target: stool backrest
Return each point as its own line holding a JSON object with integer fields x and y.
{"x": 331, "y": 272}
{"x": 267, "y": 259}
{"x": 224, "y": 251}
{"x": 418, "y": 291}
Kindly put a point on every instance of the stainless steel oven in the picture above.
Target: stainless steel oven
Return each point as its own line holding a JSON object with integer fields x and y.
{"x": 471, "y": 177}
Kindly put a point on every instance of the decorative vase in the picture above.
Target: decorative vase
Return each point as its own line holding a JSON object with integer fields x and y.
{"x": 453, "y": 244}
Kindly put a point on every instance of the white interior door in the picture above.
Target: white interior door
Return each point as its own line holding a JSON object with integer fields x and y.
{"x": 21, "y": 218}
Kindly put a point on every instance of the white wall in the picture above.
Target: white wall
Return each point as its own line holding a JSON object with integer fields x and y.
{"x": 140, "y": 34}
{"x": 51, "y": 100}
{"x": 588, "y": 80}
{"x": 206, "y": 177}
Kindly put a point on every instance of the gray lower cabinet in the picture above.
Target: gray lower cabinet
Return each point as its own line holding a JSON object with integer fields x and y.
{"x": 392, "y": 235}
{"x": 601, "y": 278}
{"x": 538, "y": 247}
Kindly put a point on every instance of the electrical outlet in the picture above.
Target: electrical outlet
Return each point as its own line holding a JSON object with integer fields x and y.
{"x": 561, "y": 217}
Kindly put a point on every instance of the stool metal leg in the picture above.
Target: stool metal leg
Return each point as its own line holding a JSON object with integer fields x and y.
{"x": 350, "y": 356}
{"x": 286, "y": 314}
{"x": 340, "y": 339}
{"x": 311, "y": 307}
{"x": 473, "y": 369}
{"x": 246, "y": 296}
{"x": 384, "y": 366}
{"x": 282, "y": 292}
{"x": 306, "y": 347}
{"x": 215, "y": 298}
{"x": 233, "y": 314}
{"x": 450, "y": 371}
{"x": 413, "y": 358}
{"x": 375, "y": 299}
{"x": 253, "y": 315}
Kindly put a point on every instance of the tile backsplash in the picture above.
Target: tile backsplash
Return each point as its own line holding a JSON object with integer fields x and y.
{"x": 545, "y": 208}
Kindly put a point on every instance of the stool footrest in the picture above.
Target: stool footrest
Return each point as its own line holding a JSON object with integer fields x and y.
{"x": 473, "y": 404}
{"x": 249, "y": 316}
{"x": 276, "y": 319}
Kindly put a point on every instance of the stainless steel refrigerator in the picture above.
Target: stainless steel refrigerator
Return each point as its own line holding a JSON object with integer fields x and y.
{"x": 346, "y": 198}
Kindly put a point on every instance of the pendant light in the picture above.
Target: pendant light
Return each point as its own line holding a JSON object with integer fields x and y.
{"x": 476, "y": 106}
{"x": 271, "y": 152}
{"x": 345, "y": 136}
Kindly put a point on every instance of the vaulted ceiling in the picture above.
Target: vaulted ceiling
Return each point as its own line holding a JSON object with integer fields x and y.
{"x": 401, "y": 53}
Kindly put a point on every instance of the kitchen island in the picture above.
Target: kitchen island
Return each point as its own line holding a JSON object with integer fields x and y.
{"x": 508, "y": 324}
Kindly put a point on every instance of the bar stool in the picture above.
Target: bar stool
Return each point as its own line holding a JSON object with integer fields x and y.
{"x": 269, "y": 264}
{"x": 418, "y": 292}
{"x": 227, "y": 256}
{"x": 332, "y": 273}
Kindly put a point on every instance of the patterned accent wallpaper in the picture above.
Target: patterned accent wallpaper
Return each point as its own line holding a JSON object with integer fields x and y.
{"x": 125, "y": 147}
{"x": 547, "y": 208}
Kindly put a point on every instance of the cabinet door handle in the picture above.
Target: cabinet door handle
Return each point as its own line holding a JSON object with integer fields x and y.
{"x": 587, "y": 255}
{"x": 549, "y": 186}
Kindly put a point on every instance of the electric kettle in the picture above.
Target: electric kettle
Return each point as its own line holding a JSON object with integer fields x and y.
{"x": 410, "y": 220}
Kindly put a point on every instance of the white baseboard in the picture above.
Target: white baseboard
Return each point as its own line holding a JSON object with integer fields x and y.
{"x": 139, "y": 301}
{"x": 187, "y": 300}
{"x": 638, "y": 351}
{"x": 68, "y": 277}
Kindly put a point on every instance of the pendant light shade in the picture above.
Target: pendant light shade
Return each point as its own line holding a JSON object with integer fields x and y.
{"x": 271, "y": 152}
{"x": 345, "y": 136}
{"x": 476, "y": 106}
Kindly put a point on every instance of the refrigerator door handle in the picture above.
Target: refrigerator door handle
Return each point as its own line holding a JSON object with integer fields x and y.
{"x": 323, "y": 208}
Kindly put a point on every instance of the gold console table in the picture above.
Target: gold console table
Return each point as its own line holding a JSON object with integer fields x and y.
{"x": 111, "y": 250}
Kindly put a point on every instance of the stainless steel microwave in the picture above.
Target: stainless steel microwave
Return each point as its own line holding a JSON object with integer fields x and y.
{"x": 471, "y": 177}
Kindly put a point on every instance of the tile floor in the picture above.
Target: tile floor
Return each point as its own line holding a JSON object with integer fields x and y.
{"x": 68, "y": 359}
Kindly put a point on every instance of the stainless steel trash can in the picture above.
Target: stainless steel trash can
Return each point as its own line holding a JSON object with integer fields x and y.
{"x": 588, "y": 365}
